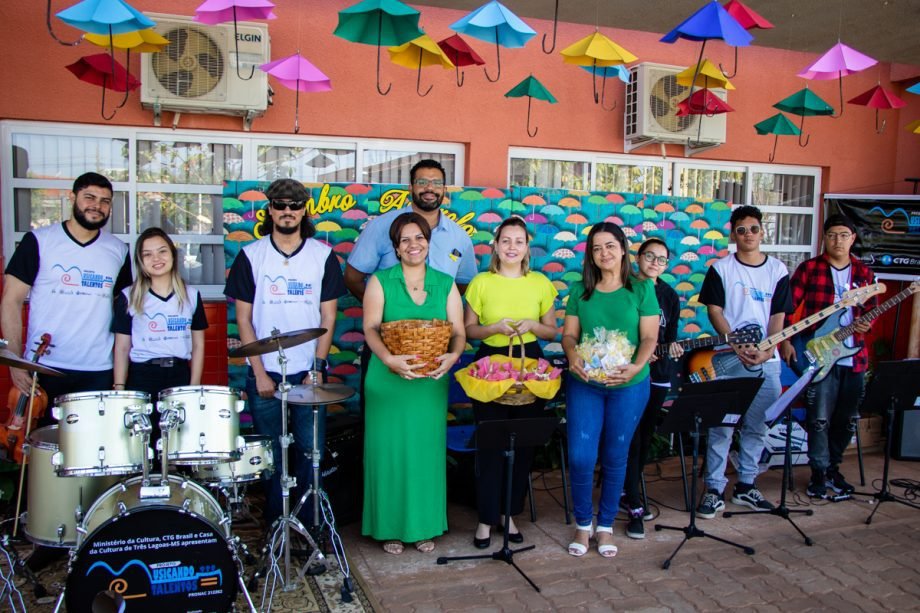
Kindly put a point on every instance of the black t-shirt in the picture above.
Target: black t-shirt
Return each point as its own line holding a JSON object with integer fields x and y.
{"x": 664, "y": 368}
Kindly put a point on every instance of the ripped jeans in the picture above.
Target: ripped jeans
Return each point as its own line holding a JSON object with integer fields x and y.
{"x": 832, "y": 407}
{"x": 600, "y": 420}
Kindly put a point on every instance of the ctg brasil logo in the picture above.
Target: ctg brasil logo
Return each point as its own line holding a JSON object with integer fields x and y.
{"x": 892, "y": 223}
{"x": 283, "y": 286}
{"x": 75, "y": 277}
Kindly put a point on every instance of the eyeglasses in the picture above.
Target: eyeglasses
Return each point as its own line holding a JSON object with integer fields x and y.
{"x": 427, "y": 182}
{"x": 651, "y": 258}
{"x": 741, "y": 230}
{"x": 838, "y": 236}
{"x": 280, "y": 205}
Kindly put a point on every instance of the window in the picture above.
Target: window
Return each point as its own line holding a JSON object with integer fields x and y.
{"x": 174, "y": 178}
{"x": 586, "y": 171}
{"x": 788, "y": 200}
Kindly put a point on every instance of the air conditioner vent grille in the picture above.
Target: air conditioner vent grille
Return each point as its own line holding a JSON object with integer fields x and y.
{"x": 191, "y": 65}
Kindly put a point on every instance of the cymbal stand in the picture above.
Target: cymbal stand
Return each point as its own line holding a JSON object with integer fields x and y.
{"x": 8, "y": 589}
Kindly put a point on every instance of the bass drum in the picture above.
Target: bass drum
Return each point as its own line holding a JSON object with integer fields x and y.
{"x": 159, "y": 554}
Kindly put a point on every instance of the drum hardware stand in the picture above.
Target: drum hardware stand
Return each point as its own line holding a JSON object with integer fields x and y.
{"x": 8, "y": 589}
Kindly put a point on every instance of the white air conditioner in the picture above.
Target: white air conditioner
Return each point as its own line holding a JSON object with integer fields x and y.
{"x": 652, "y": 96}
{"x": 197, "y": 71}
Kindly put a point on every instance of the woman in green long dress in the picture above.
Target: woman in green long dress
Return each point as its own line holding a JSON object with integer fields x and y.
{"x": 405, "y": 439}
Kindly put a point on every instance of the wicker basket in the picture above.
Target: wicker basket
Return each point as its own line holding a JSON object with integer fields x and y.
{"x": 518, "y": 394}
{"x": 426, "y": 338}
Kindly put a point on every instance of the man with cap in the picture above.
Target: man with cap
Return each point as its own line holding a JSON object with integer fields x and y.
{"x": 832, "y": 403}
{"x": 286, "y": 281}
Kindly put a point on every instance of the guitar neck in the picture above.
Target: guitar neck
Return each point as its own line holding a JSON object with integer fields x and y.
{"x": 772, "y": 341}
{"x": 692, "y": 343}
{"x": 867, "y": 317}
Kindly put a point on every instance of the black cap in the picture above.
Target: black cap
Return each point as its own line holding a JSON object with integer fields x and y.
{"x": 287, "y": 189}
{"x": 839, "y": 220}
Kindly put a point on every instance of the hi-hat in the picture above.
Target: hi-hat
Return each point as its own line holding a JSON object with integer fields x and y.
{"x": 276, "y": 340}
{"x": 8, "y": 358}
{"x": 325, "y": 393}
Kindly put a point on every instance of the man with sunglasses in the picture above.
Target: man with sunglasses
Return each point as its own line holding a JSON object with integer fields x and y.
{"x": 286, "y": 281}
{"x": 832, "y": 403}
{"x": 743, "y": 288}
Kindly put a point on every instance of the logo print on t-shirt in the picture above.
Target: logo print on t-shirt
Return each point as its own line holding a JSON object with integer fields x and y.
{"x": 81, "y": 278}
{"x": 283, "y": 286}
{"x": 757, "y": 295}
{"x": 160, "y": 322}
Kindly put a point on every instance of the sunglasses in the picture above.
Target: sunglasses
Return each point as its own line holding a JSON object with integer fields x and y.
{"x": 651, "y": 258}
{"x": 741, "y": 230}
{"x": 280, "y": 205}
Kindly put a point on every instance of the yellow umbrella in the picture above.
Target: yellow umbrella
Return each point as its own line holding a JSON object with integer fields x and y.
{"x": 597, "y": 51}
{"x": 421, "y": 51}
{"x": 913, "y": 126}
{"x": 707, "y": 75}
{"x": 140, "y": 41}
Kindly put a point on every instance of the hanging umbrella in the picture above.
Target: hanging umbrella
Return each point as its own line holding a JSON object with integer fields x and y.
{"x": 531, "y": 88}
{"x": 836, "y": 63}
{"x": 703, "y": 75}
{"x": 749, "y": 19}
{"x": 460, "y": 54}
{"x": 213, "y": 12}
{"x": 878, "y": 98}
{"x": 621, "y": 72}
{"x": 703, "y": 102}
{"x": 298, "y": 73}
{"x": 555, "y": 25}
{"x": 140, "y": 41}
{"x": 494, "y": 23}
{"x": 804, "y": 103}
{"x": 98, "y": 70}
{"x": 779, "y": 125}
{"x": 597, "y": 50}
{"x": 419, "y": 52}
{"x": 914, "y": 89}
{"x": 381, "y": 23}
{"x": 913, "y": 126}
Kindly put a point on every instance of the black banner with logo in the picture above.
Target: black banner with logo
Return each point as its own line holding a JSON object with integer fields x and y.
{"x": 888, "y": 230}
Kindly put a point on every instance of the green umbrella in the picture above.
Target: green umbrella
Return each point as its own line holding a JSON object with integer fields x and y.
{"x": 804, "y": 102}
{"x": 778, "y": 124}
{"x": 531, "y": 88}
{"x": 379, "y": 22}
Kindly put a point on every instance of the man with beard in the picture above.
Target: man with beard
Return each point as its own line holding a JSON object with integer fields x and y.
{"x": 71, "y": 272}
{"x": 450, "y": 251}
{"x": 287, "y": 281}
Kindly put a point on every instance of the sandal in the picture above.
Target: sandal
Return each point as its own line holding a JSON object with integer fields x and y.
{"x": 426, "y": 546}
{"x": 394, "y": 547}
{"x": 607, "y": 550}
{"x": 578, "y": 549}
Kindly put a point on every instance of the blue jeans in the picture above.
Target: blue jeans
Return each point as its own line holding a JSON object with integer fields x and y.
{"x": 266, "y": 417}
{"x": 753, "y": 431}
{"x": 832, "y": 406}
{"x": 604, "y": 418}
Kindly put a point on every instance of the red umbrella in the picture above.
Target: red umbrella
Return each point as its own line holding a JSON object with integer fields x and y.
{"x": 460, "y": 53}
{"x": 749, "y": 19}
{"x": 702, "y": 102}
{"x": 101, "y": 69}
{"x": 878, "y": 98}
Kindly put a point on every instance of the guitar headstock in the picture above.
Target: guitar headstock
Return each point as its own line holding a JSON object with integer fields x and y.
{"x": 859, "y": 295}
{"x": 746, "y": 335}
{"x": 915, "y": 286}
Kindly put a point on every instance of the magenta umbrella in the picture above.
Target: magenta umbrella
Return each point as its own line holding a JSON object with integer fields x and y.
{"x": 298, "y": 73}
{"x": 836, "y": 63}
{"x": 213, "y": 12}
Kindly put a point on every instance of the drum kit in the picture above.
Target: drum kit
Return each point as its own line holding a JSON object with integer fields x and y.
{"x": 164, "y": 542}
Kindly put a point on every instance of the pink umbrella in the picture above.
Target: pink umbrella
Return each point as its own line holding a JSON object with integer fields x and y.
{"x": 878, "y": 98}
{"x": 836, "y": 63}
{"x": 297, "y": 73}
{"x": 213, "y": 12}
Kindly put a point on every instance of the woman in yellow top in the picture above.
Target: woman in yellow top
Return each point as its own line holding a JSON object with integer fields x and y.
{"x": 508, "y": 300}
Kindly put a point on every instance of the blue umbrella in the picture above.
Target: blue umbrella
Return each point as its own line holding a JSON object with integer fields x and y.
{"x": 620, "y": 71}
{"x": 914, "y": 89}
{"x": 493, "y": 22}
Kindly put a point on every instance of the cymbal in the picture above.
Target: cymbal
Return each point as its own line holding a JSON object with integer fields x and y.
{"x": 9, "y": 358}
{"x": 282, "y": 339}
{"x": 325, "y": 393}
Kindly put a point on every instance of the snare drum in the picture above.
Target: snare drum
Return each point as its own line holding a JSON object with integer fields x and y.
{"x": 159, "y": 554}
{"x": 55, "y": 505}
{"x": 256, "y": 458}
{"x": 96, "y": 434}
{"x": 209, "y": 424}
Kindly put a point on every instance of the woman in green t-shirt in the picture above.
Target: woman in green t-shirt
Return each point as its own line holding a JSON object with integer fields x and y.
{"x": 508, "y": 300}
{"x": 602, "y": 415}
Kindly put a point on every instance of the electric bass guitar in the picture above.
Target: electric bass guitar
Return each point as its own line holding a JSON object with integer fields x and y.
{"x": 709, "y": 365}
{"x": 825, "y": 346}
{"x": 750, "y": 333}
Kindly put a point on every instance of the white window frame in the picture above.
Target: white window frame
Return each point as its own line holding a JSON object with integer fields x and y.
{"x": 249, "y": 143}
{"x": 592, "y": 158}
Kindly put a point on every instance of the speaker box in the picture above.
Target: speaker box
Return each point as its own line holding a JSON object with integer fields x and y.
{"x": 343, "y": 467}
{"x": 905, "y": 440}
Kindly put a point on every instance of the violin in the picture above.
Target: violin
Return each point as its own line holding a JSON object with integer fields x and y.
{"x": 13, "y": 433}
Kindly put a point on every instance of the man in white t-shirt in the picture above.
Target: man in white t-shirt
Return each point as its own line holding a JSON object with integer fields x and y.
{"x": 743, "y": 288}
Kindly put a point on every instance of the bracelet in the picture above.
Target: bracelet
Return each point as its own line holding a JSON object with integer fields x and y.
{"x": 118, "y": 384}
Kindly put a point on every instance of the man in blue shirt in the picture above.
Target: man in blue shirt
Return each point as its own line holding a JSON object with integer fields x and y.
{"x": 451, "y": 250}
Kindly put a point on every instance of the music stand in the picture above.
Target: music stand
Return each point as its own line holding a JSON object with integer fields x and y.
{"x": 706, "y": 405}
{"x": 506, "y": 435}
{"x": 894, "y": 385}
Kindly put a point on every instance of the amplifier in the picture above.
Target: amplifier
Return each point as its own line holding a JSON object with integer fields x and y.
{"x": 905, "y": 440}
{"x": 343, "y": 467}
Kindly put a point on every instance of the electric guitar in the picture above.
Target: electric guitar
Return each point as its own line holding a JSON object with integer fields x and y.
{"x": 709, "y": 365}
{"x": 750, "y": 333}
{"x": 825, "y": 346}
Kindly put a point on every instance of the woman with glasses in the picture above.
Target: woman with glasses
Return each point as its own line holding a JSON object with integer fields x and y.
{"x": 602, "y": 415}
{"x": 652, "y": 260}
{"x": 507, "y": 305}
{"x": 405, "y": 434}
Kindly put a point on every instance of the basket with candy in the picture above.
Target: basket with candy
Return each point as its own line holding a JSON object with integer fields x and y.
{"x": 604, "y": 353}
{"x": 509, "y": 380}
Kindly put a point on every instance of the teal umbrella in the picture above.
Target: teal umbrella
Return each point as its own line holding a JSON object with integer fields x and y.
{"x": 531, "y": 88}
{"x": 804, "y": 103}
{"x": 779, "y": 125}
{"x": 379, "y": 22}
